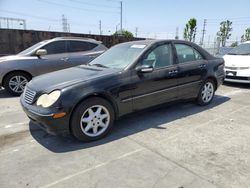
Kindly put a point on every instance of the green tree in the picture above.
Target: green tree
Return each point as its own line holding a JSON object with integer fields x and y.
{"x": 234, "y": 44}
{"x": 124, "y": 33}
{"x": 225, "y": 31}
{"x": 246, "y": 36}
{"x": 190, "y": 30}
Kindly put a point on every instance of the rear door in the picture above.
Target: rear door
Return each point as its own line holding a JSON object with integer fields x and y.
{"x": 57, "y": 57}
{"x": 81, "y": 52}
{"x": 192, "y": 70}
{"x": 158, "y": 86}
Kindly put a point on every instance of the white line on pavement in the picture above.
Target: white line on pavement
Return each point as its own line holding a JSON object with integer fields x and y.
{"x": 14, "y": 124}
{"x": 92, "y": 168}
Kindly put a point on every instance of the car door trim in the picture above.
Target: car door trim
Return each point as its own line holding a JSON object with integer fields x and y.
{"x": 159, "y": 91}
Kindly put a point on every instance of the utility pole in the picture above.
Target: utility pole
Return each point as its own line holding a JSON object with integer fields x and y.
{"x": 203, "y": 31}
{"x": 177, "y": 33}
{"x": 136, "y": 31}
{"x": 121, "y": 15}
{"x": 208, "y": 42}
{"x": 100, "y": 27}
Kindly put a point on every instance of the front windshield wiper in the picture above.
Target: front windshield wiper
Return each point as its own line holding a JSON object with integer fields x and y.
{"x": 232, "y": 54}
{"x": 98, "y": 65}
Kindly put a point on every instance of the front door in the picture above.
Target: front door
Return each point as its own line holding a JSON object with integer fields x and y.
{"x": 158, "y": 86}
{"x": 56, "y": 59}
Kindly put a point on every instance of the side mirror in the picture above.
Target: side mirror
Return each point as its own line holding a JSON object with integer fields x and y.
{"x": 41, "y": 52}
{"x": 144, "y": 68}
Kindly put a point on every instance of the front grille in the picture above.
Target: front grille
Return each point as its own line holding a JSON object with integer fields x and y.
{"x": 29, "y": 96}
{"x": 236, "y": 68}
{"x": 238, "y": 78}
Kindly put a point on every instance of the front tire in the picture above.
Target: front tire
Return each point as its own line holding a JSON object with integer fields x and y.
{"x": 206, "y": 93}
{"x": 92, "y": 119}
{"x": 15, "y": 82}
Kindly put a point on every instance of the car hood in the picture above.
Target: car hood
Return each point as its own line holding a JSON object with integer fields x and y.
{"x": 68, "y": 77}
{"x": 237, "y": 60}
{"x": 13, "y": 58}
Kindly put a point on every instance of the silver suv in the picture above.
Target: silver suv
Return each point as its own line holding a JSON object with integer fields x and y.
{"x": 46, "y": 56}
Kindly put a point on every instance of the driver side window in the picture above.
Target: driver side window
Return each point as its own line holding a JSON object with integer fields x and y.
{"x": 56, "y": 47}
{"x": 159, "y": 57}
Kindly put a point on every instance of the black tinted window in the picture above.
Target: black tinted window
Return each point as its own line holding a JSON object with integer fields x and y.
{"x": 186, "y": 53}
{"x": 78, "y": 46}
{"x": 56, "y": 47}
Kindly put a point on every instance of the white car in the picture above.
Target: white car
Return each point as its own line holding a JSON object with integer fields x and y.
{"x": 237, "y": 64}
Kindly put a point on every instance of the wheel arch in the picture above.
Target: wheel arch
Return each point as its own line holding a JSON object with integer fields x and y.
{"x": 13, "y": 71}
{"x": 214, "y": 80}
{"x": 102, "y": 95}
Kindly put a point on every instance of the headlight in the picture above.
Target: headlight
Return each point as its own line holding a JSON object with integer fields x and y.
{"x": 47, "y": 100}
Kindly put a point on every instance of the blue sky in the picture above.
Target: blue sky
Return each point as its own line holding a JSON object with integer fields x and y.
{"x": 154, "y": 18}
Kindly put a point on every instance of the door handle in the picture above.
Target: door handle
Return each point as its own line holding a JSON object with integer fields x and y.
{"x": 202, "y": 66}
{"x": 173, "y": 72}
{"x": 65, "y": 59}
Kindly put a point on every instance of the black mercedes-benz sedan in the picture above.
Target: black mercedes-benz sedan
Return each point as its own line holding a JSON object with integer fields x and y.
{"x": 86, "y": 100}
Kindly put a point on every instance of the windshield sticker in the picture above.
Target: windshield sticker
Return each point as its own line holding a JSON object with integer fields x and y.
{"x": 141, "y": 46}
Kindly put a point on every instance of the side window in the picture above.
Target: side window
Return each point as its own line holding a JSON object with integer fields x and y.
{"x": 79, "y": 46}
{"x": 186, "y": 53}
{"x": 161, "y": 56}
{"x": 56, "y": 47}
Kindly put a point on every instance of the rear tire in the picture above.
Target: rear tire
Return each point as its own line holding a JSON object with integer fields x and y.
{"x": 92, "y": 119}
{"x": 206, "y": 93}
{"x": 15, "y": 82}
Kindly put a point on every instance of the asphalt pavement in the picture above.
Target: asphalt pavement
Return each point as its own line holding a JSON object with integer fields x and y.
{"x": 183, "y": 145}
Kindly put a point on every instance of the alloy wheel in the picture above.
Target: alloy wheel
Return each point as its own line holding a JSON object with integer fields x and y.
{"x": 17, "y": 83}
{"x": 207, "y": 92}
{"x": 95, "y": 120}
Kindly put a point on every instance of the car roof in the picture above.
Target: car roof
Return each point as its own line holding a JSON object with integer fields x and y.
{"x": 152, "y": 41}
{"x": 77, "y": 38}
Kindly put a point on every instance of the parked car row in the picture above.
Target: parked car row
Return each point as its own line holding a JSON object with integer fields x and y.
{"x": 101, "y": 87}
{"x": 86, "y": 100}
{"x": 46, "y": 56}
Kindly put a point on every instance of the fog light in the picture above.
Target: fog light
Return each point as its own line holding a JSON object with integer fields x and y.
{"x": 59, "y": 115}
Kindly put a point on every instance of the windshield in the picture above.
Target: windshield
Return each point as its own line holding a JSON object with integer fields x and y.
{"x": 119, "y": 56}
{"x": 225, "y": 50}
{"x": 30, "y": 49}
{"x": 243, "y": 49}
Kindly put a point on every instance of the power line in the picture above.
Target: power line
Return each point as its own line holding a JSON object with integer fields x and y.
{"x": 72, "y": 7}
{"x": 11, "y": 20}
{"x": 46, "y": 18}
{"x": 29, "y": 15}
{"x": 93, "y": 4}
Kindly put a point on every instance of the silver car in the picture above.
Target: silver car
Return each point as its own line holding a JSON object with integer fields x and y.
{"x": 46, "y": 56}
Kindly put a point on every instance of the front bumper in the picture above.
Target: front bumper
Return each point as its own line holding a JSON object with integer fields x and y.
{"x": 237, "y": 76}
{"x": 45, "y": 120}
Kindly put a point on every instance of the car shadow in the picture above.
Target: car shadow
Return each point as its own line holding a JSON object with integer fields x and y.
{"x": 5, "y": 94}
{"x": 126, "y": 126}
{"x": 237, "y": 85}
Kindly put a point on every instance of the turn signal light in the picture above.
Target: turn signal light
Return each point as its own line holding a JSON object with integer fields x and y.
{"x": 59, "y": 115}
